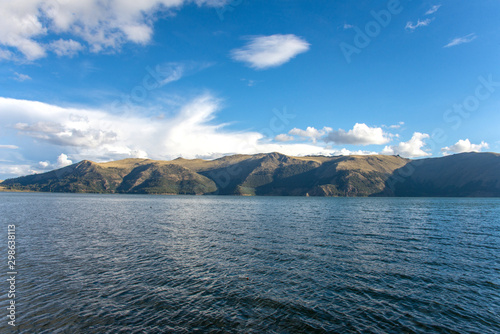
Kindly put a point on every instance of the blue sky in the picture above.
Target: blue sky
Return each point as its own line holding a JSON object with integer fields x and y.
{"x": 106, "y": 80}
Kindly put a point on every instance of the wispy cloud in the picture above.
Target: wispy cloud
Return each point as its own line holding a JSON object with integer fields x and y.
{"x": 10, "y": 147}
{"x": 63, "y": 47}
{"x": 21, "y": 77}
{"x": 5, "y": 54}
{"x": 249, "y": 82}
{"x": 433, "y": 9}
{"x": 348, "y": 26}
{"x": 394, "y": 126}
{"x": 412, "y": 26}
{"x": 461, "y": 40}
{"x": 172, "y": 71}
{"x": 464, "y": 146}
{"x": 264, "y": 52}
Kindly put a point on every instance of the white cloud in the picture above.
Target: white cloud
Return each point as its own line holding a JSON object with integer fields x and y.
{"x": 464, "y": 146}
{"x": 461, "y": 40}
{"x": 310, "y": 133}
{"x": 9, "y": 171}
{"x": 163, "y": 74}
{"x": 63, "y": 135}
{"x": 433, "y": 9}
{"x": 170, "y": 72}
{"x": 63, "y": 47}
{"x": 409, "y": 149}
{"x": 63, "y": 161}
{"x": 360, "y": 134}
{"x": 21, "y": 77}
{"x": 5, "y": 54}
{"x": 263, "y": 52}
{"x": 249, "y": 82}
{"x": 102, "y": 24}
{"x": 345, "y": 151}
{"x": 98, "y": 135}
{"x": 411, "y": 26}
{"x": 190, "y": 131}
{"x": 348, "y": 26}
{"x": 216, "y": 3}
{"x": 396, "y": 126}
{"x": 44, "y": 164}
{"x": 283, "y": 137}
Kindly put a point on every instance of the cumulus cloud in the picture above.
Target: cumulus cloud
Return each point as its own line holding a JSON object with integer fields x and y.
{"x": 310, "y": 133}
{"x": 464, "y": 146}
{"x": 44, "y": 164}
{"x": 461, "y": 40}
{"x": 263, "y": 52}
{"x": 63, "y": 161}
{"x": 102, "y": 24}
{"x": 412, "y": 26}
{"x": 410, "y": 149}
{"x": 433, "y": 9}
{"x": 360, "y": 134}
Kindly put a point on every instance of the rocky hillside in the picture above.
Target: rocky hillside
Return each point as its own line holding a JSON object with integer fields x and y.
{"x": 467, "y": 174}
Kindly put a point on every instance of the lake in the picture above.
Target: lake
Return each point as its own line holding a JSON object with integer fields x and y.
{"x": 195, "y": 264}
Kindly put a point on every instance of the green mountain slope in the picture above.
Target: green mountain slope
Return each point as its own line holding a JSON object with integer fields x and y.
{"x": 467, "y": 174}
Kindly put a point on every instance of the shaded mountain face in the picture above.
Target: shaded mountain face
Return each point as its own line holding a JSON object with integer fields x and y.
{"x": 460, "y": 175}
{"x": 467, "y": 174}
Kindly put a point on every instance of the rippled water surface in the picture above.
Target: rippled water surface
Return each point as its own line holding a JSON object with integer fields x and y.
{"x": 188, "y": 264}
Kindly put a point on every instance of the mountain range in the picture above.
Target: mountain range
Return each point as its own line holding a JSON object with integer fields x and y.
{"x": 463, "y": 175}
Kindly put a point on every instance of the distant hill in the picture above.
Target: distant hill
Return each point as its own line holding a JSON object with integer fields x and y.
{"x": 466, "y": 174}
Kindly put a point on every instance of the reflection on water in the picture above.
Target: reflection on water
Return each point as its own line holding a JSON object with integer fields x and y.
{"x": 155, "y": 264}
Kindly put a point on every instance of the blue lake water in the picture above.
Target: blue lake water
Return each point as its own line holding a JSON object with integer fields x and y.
{"x": 196, "y": 264}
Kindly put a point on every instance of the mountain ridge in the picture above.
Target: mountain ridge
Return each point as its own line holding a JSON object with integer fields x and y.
{"x": 466, "y": 174}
